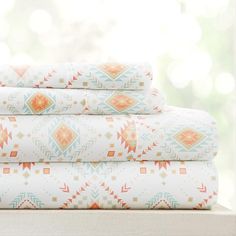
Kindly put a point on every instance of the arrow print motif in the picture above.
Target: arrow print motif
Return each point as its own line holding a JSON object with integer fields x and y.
{"x": 202, "y": 189}
{"x": 65, "y": 188}
{"x": 125, "y": 189}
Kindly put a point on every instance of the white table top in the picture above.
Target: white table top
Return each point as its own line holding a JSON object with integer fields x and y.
{"x": 218, "y": 221}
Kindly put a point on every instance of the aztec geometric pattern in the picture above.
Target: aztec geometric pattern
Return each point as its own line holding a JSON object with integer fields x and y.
{"x": 162, "y": 200}
{"x": 26, "y": 200}
{"x": 64, "y": 137}
{"x": 4, "y": 136}
{"x": 28, "y": 101}
{"x": 128, "y": 136}
{"x": 121, "y": 185}
{"x": 38, "y": 103}
{"x": 121, "y": 102}
{"x": 189, "y": 138}
{"x": 175, "y": 134}
{"x": 72, "y": 75}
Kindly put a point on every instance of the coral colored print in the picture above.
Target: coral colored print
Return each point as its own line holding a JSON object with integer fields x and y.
{"x": 162, "y": 164}
{"x": 108, "y": 185}
{"x": 121, "y": 102}
{"x": 4, "y": 136}
{"x": 64, "y": 136}
{"x": 161, "y": 137}
{"x": 74, "y": 75}
{"x": 113, "y": 70}
{"x": 189, "y": 137}
{"x": 20, "y": 70}
{"x": 26, "y": 165}
{"x": 128, "y": 136}
{"x": 25, "y": 101}
{"x": 39, "y": 102}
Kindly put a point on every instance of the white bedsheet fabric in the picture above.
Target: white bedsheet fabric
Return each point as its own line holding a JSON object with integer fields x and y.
{"x": 77, "y": 75}
{"x": 33, "y": 101}
{"x": 174, "y": 134}
{"x": 122, "y": 185}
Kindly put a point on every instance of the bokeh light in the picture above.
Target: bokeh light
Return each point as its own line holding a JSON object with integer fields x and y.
{"x": 4, "y": 29}
{"x": 22, "y": 58}
{"x": 40, "y": 21}
{"x": 4, "y": 53}
{"x": 225, "y": 83}
{"x": 6, "y": 6}
{"x": 203, "y": 87}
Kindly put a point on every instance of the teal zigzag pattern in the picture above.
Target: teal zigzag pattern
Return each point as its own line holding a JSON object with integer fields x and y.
{"x": 26, "y": 196}
{"x": 94, "y": 193}
{"x": 44, "y": 151}
{"x": 162, "y": 196}
{"x": 99, "y": 168}
{"x": 12, "y": 108}
{"x": 100, "y": 78}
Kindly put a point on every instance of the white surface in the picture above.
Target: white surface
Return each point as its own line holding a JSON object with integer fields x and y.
{"x": 218, "y": 221}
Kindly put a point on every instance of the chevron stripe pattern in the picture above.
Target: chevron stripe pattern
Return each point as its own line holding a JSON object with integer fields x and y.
{"x": 26, "y": 200}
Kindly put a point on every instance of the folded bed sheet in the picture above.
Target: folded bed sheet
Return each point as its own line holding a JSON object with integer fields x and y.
{"x": 174, "y": 134}
{"x": 161, "y": 184}
{"x": 75, "y": 75}
{"x": 27, "y": 101}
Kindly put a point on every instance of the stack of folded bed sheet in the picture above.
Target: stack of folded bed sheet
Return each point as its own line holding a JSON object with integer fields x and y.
{"x": 97, "y": 136}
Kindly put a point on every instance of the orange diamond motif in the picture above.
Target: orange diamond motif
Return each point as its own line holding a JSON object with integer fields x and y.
{"x": 113, "y": 70}
{"x": 64, "y": 136}
{"x": 121, "y": 102}
{"x": 39, "y": 103}
{"x": 4, "y": 136}
{"x": 188, "y": 138}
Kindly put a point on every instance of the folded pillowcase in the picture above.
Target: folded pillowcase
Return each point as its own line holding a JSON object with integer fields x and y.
{"x": 26, "y": 101}
{"x": 174, "y": 134}
{"x": 75, "y": 75}
{"x": 135, "y": 185}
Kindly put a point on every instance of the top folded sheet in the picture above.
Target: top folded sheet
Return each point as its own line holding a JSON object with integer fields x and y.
{"x": 74, "y": 75}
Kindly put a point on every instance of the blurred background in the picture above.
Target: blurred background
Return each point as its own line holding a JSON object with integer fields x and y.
{"x": 190, "y": 43}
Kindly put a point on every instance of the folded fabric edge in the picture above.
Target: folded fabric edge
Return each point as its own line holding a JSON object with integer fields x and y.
{"x": 176, "y": 185}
